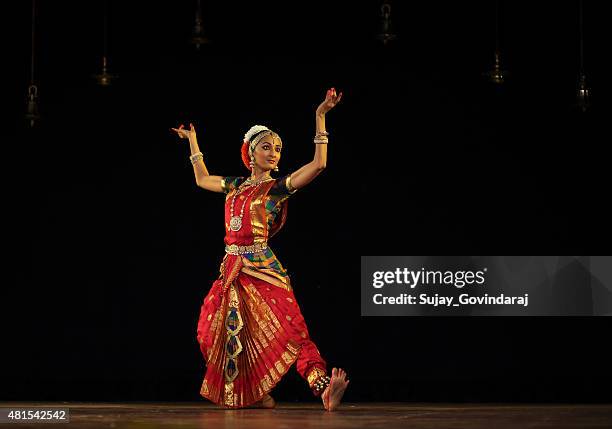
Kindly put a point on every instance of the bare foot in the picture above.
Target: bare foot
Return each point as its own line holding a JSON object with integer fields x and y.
{"x": 325, "y": 397}
{"x": 266, "y": 402}
{"x": 333, "y": 393}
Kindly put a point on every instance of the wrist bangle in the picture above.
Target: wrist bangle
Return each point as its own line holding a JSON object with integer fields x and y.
{"x": 321, "y": 137}
{"x": 196, "y": 157}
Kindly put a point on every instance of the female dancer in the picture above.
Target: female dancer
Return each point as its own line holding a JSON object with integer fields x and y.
{"x": 250, "y": 328}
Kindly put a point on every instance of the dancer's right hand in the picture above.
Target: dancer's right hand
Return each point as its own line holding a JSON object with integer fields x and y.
{"x": 183, "y": 133}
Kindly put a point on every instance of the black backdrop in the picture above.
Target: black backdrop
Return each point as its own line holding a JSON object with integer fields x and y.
{"x": 111, "y": 247}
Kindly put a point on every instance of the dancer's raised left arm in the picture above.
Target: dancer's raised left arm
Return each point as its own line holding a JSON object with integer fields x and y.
{"x": 306, "y": 174}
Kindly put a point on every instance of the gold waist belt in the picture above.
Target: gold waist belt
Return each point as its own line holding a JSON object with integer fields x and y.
{"x": 234, "y": 249}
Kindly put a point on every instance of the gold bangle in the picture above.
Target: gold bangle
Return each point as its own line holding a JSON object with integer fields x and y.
{"x": 289, "y": 186}
{"x": 196, "y": 157}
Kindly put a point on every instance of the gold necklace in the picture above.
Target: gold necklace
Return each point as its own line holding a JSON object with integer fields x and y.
{"x": 250, "y": 181}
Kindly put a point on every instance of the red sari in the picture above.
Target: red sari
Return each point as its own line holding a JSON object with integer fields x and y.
{"x": 250, "y": 328}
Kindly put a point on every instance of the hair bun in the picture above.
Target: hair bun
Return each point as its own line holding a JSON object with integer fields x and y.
{"x": 245, "y": 155}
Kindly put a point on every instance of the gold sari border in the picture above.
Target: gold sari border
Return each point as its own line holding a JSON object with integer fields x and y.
{"x": 266, "y": 277}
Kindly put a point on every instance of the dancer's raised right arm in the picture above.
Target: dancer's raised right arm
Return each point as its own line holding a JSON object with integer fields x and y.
{"x": 203, "y": 178}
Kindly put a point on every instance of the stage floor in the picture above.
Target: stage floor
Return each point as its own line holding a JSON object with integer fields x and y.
{"x": 311, "y": 415}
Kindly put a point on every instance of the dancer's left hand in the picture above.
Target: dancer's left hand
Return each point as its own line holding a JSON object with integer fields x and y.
{"x": 331, "y": 99}
{"x": 185, "y": 133}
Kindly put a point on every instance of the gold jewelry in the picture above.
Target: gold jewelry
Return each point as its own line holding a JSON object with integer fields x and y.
{"x": 321, "y": 137}
{"x": 289, "y": 186}
{"x": 235, "y": 249}
{"x": 250, "y": 181}
{"x": 196, "y": 157}
{"x": 236, "y": 221}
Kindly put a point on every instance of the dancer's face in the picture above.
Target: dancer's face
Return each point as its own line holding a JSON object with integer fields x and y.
{"x": 267, "y": 153}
